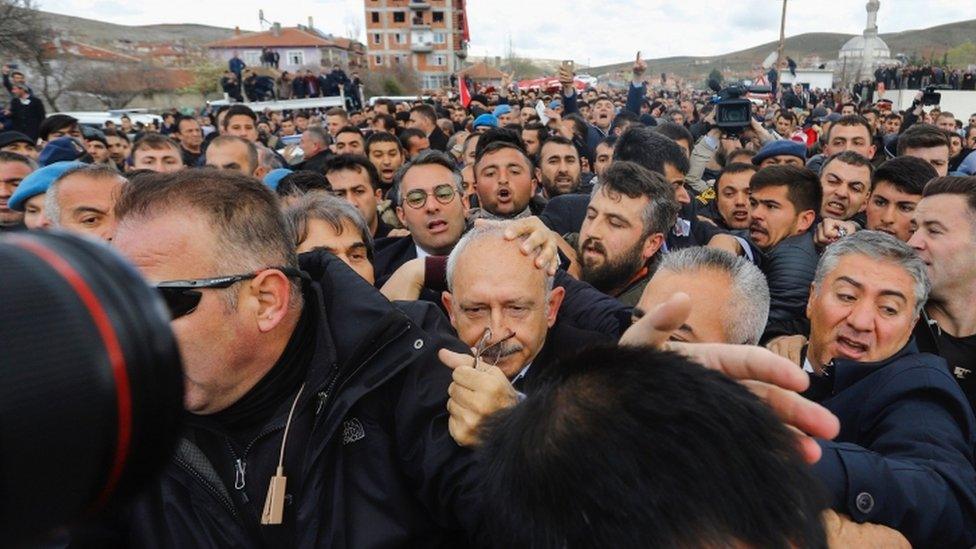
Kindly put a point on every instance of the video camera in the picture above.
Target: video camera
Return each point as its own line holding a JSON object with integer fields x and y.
{"x": 733, "y": 112}
{"x": 932, "y": 97}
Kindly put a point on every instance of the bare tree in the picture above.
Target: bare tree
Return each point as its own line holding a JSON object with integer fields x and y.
{"x": 22, "y": 28}
{"x": 116, "y": 85}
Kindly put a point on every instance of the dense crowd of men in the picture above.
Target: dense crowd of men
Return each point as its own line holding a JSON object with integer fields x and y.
{"x": 564, "y": 319}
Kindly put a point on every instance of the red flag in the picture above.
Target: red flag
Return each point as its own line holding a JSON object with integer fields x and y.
{"x": 463, "y": 92}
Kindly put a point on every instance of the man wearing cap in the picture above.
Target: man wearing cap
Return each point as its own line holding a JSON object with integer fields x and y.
{"x": 504, "y": 115}
{"x": 30, "y": 194}
{"x": 97, "y": 146}
{"x": 484, "y": 123}
{"x": 19, "y": 143}
{"x": 26, "y": 111}
{"x": 63, "y": 149}
{"x": 780, "y": 151}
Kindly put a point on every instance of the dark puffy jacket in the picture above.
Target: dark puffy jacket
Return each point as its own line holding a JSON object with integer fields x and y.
{"x": 378, "y": 466}
{"x": 789, "y": 268}
{"x": 904, "y": 456}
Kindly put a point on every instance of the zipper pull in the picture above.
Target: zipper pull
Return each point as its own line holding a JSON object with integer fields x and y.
{"x": 323, "y": 396}
{"x": 240, "y": 466}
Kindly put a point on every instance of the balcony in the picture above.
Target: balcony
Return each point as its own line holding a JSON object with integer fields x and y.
{"x": 419, "y": 5}
{"x": 419, "y": 24}
{"x": 422, "y": 47}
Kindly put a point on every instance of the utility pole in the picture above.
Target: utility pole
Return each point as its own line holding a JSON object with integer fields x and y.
{"x": 779, "y": 52}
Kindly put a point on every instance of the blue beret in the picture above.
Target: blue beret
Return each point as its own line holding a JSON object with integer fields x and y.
{"x": 501, "y": 109}
{"x": 272, "y": 178}
{"x": 61, "y": 149}
{"x": 38, "y": 182}
{"x": 780, "y": 147}
{"x": 485, "y": 120}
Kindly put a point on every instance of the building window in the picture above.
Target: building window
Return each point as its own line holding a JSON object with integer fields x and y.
{"x": 434, "y": 81}
{"x": 399, "y": 17}
{"x": 375, "y": 16}
{"x": 399, "y": 38}
{"x": 252, "y": 58}
{"x": 295, "y": 57}
{"x": 440, "y": 38}
{"x": 438, "y": 16}
{"x": 396, "y": 59}
{"x": 436, "y": 60}
{"x": 377, "y": 38}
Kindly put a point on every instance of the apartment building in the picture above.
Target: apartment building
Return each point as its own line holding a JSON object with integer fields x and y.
{"x": 429, "y": 36}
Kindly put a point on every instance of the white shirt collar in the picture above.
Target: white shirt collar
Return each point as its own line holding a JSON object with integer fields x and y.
{"x": 421, "y": 254}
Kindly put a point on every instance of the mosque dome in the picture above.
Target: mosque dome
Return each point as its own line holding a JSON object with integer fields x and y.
{"x": 860, "y": 47}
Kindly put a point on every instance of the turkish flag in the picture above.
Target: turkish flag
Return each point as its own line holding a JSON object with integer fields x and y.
{"x": 463, "y": 92}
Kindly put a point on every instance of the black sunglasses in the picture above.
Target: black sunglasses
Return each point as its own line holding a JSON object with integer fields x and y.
{"x": 183, "y": 296}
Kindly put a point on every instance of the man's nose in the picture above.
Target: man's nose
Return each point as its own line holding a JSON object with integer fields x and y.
{"x": 862, "y": 316}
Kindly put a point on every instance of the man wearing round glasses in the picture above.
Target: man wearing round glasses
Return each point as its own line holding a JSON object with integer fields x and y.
{"x": 431, "y": 205}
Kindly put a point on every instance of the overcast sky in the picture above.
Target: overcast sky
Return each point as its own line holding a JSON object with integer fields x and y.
{"x": 594, "y": 32}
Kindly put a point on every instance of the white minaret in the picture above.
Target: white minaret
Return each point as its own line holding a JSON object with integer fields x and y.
{"x": 872, "y": 29}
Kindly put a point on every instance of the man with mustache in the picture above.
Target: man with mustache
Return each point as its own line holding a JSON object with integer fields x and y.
{"x": 558, "y": 167}
{"x": 505, "y": 180}
{"x": 846, "y": 182}
{"x": 499, "y": 301}
{"x": 730, "y": 209}
{"x": 784, "y": 202}
{"x": 627, "y": 220}
{"x": 904, "y": 457}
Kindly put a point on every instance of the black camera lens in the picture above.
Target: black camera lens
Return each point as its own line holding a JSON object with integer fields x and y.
{"x": 92, "y": 391}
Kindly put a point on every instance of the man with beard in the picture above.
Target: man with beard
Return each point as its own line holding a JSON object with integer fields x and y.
{"x": 629, "y": 214}
{"x": 784, "y": 203}
{"x": 558, "y": 167}
{"x": 846, "y": 182}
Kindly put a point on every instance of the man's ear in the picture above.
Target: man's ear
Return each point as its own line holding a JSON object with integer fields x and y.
{"x": 447, "y": 300}
{"x": 378, "y": 193}
{"x": 271, "y": 293}
{"x": 555, "y": 301}
{"x": 400, "y": 216}
{"x": 260, "y": 172}
{"x": 652, "y": 244}
{"x": 813, "y": 291}
{"x": 805, "y": 220}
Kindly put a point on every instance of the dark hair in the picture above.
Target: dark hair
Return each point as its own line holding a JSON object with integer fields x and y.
{"x": 734, "y": 168}
{"x": 852, "y": 158}
{"x": 337, "y": 111}
{"x": 601, "y": 454}
{"x": 499, "y": 135}
{"x": 610, "y": 141}
{"x": 555, "y": 139}
{"x": 252, "y": 150}
{"x": 349, "y": 129}
{"x": 182, "y": 119}
{"x": 382, "y": 137}
{"x": 389, "y": 123}
{"x": 352, "y": 162}
{"x": 623, "y": 117}
{"x": 954, "y": 184}
{"x": 483, "y": 150}
{"x": 634, "y": 181}
{"x": 236, "y": 110}
{"x": 852, "y": 120}
{"x": 908, "y": 174}
{"x": 676, "y": 132}
{"x": 580, "y": 127}
{"x": 302, "y": 181}
{"x": 651, "y": 150}
{"x": 741, "y": 151}
{"x": 803, "y": 186}
{"x": 541, "y": 131}
{"x": 409, "y": 133}
{"x": 244, "y": 213}
{"x": 111, "y": 132}
{"x": 427, "y": 112}
{"x": 922, "y": 136}
{"x": 431, "y": 157}
{"x": 8, "y": 156}
{"x": 787, "y": 114}
{"x": 55, "y": 122}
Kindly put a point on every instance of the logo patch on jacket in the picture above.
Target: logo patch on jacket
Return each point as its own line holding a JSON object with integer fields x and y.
{"x": 352, "y": 430}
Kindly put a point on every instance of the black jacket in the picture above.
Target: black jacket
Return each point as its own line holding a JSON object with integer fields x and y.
{"x": 376, "y": 467}
{"x": 438, "y": 139}
{"x": 563, "y": 340}
{"x": 27, "y": 117}
{"x": 389, "y": 254}
{"x": 904, "y": 456}
{"x": 789, "y": 268}
{"x": 315, "y": 163}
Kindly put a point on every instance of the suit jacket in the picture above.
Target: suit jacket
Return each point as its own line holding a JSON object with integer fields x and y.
{"x": 389, "y": 254}
{"x": 563, "y": 340}
{"x": 438, "y": 140}
{"x": 789, "y": 268}
{"x": 905, "y": 454}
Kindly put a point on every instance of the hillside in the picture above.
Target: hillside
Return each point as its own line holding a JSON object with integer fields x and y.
{"x": 923, "y": 42}
{"x": 104, "y": 34}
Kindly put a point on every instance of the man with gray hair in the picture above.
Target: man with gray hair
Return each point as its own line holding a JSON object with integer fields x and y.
{"x": 500, "y": 303}
{"x": 315, "y": 145}
{"x": 82, "y": 200}
{"x": 319, "y": 221}
{"x": 905, "y": 454}
{"x": 729, "y": 295}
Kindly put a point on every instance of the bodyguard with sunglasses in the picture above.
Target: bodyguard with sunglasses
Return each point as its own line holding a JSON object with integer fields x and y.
{"x": 431, "y": 204}
{"x": 316, "y": 410}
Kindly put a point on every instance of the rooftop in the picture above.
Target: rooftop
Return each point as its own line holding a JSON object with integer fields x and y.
{"x": 287, "y": 37}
